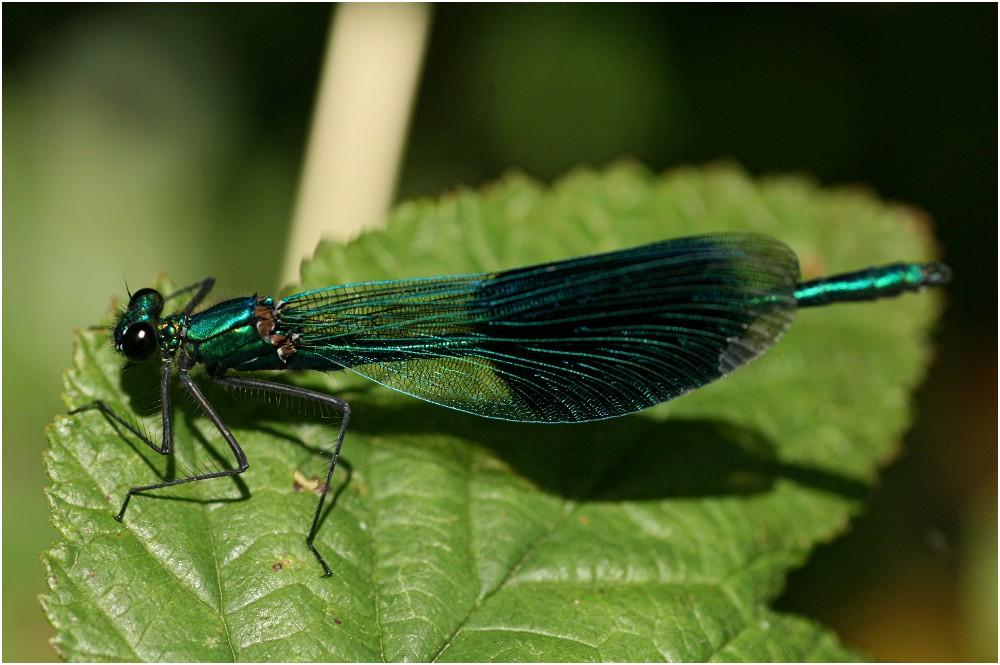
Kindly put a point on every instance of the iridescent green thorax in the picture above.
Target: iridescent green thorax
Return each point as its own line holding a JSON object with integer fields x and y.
{"x": 871, "y": 284}
{"x": 225, "y": 335}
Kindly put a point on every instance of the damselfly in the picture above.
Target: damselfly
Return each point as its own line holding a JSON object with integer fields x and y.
{"x": 565, "y": 342}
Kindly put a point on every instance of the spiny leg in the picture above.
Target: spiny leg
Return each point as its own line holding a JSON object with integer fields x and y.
{"x": 322, "y": 398}
{"x": 167, "y": 441}
{"x": 241, "y": 458}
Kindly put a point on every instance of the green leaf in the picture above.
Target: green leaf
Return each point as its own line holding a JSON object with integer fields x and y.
{"x": 660, "y": 536}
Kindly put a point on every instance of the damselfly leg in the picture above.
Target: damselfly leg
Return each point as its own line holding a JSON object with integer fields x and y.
{"x": 241, "y": 459}
{"x": 322, "y": 398}
{"x": 166, "y": 444}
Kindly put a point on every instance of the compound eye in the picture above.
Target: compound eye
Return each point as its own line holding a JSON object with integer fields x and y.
{"x": 139, "y": 341}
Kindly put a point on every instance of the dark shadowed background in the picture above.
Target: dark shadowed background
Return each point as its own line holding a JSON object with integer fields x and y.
{"x": 147, "y": 138}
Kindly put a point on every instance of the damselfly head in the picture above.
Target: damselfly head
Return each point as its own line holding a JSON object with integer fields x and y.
{"x": 134, "y": 332}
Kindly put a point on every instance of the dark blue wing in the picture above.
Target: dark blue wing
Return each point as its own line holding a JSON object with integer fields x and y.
{"x": 570, "y": 341}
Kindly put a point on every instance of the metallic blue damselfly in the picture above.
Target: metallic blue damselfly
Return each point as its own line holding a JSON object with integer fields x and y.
{"x": 565, "y": 342}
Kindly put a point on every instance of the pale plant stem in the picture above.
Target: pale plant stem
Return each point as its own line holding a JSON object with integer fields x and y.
{"x": 363, "y": 105}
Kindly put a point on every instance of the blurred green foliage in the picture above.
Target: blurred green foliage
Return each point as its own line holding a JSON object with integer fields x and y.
{"x": 148, "y": 138}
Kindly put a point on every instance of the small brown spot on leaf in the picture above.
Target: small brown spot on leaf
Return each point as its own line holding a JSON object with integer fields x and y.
{"x": 584, "y": 520}
{"x": 300, "y": 483}
{"x": 337, "y": 621}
